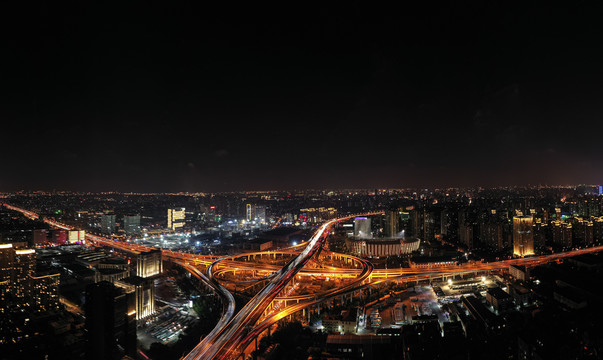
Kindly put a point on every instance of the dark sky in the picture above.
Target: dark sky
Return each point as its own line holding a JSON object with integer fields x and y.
{"x": 156, "y": 96}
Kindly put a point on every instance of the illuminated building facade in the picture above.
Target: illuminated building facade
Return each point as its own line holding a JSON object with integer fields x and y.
{"x": 316, "y": 215}
{"x": 523, "y": 236}
{"x": 249, "y": 212}
{"x": 382, "y": 247}
{"x": 148, "y": 263}
{"x": 175, "y": 219}
{"x": 35, "y": 292}
{"x": 144, "y": 294}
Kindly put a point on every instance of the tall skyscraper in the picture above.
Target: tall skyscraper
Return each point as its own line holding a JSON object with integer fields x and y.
{"x": 391, "y": 223}
{"x": 110, "y": 321}
{"x": 108, "y": 223}
{"x": 523, "y": 237}
{"x": 175, "y": 219}
{"x": 132, "y": 224}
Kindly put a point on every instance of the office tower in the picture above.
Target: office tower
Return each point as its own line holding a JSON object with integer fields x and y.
{"x": 148, "y": 263}
{"x": 391, "y": 223}
{"x": 110, "y": 322}
{"x": 144, "y": 292}
{"x": 108, "y": 223}
{"x": 362, "y": 227}
{"x": 40, "y": 237}
{"x": 523, "y": 237}
{"x": 132, "y": 224}
{"x": 175, "y": 219}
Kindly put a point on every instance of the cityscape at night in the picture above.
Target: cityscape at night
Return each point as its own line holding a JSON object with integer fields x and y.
{"x": 189, "y": 181}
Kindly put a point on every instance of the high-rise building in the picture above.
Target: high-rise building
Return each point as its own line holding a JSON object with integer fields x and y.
{"x": 491, "y": 234}
{"x": 132, "y": 224}
{"x": 362, "y": 227}
{"x": 523, "y": 237}
{"x": 7, "y": 262}
{"x": 391, "y": 223}
{"x": 110, "y": 321}
{"x": 144, "y": 291}
{"x": 562, "y": 233}
{"x": 148, "y": 263}
{"x": 540, "y": 232}
{"x": 255, "y": 212}
{"x": 108, "y": 223}
{"x": 45, "y": 291}
{"x": 466, "y": 234}
{"x": 31, "y": 291}
{"x": 24, "y": 269}
{"x": 249, "y": 212}
{"x": 429, "y": 225}
{"x": 175, "y": 219}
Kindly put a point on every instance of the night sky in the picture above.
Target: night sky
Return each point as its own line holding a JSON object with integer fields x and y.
{"x": 156, "y": 96}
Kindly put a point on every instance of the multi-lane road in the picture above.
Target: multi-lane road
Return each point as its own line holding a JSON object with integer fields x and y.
{"x": 234, "y": 332}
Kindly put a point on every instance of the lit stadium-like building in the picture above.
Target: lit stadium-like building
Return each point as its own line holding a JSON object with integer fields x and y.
{"x": 382, "y": 247}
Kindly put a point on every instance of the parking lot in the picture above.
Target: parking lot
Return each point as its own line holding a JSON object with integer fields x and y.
{"x": 164, "y": 327}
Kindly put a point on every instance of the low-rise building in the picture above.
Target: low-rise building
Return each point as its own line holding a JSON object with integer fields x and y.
{"x": 519, "y": 272}
{"x": 499, "y": 299}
